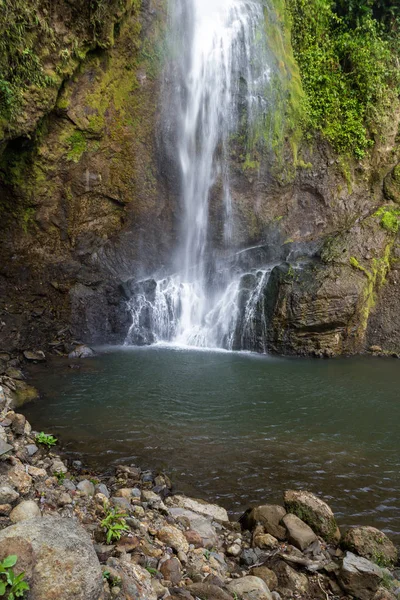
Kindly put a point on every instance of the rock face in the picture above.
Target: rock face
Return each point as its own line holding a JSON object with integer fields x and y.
{"x": 371, "y": 543}
{"x": 313, "y": 511}
{"x": 90, "y": 197}
{"x": 58, "y": 557}
{"x": 360, "y": 577}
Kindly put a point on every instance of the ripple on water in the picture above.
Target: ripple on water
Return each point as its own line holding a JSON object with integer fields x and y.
{"x": 236, "y": 428}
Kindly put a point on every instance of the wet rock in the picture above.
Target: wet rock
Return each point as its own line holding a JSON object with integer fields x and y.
{"x": 38, "y": 356}
{"x": 82, "y": 351}
{"x": 15, "y": 373}
{"x": 171, "y": 570}
{"x": 18, "y": 424}
{"x": 8, "y": 495}
{"x": 266, "y": 575}
{"x": 27, "y": 509}
{"x": 173, "y": 537}
{"x": 31, "y": 449}
{"x": 313, "y": 511}
{"x": 60, "y": 561}
{"x": 198, "y": 506}
{"x": 269, "y": 516}
{"x": 86, "y": 487}
{"x": 360, "y": 577}
{"x": 371, "y": 543}
{"x": 299, "y": 533}
{"x": 250, "y": 588}
{"x": 207, "y": 591}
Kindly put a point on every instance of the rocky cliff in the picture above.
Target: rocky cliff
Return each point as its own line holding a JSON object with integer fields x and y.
{"x": 89, "y": 192}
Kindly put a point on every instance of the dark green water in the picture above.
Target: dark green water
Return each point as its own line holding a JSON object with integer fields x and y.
{"x": 237, "y": 428}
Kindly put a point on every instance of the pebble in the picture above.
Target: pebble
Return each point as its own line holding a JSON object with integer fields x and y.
{"x": 86, "y": 487}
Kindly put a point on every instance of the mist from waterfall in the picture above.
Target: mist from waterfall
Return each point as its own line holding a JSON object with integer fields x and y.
{"x": 220, "y": 79}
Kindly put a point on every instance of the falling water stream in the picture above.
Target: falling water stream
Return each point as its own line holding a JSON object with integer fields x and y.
{"x": 221, "y": 78}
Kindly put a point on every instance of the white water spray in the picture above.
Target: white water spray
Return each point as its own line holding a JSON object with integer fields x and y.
{"x": 223, "y": 77}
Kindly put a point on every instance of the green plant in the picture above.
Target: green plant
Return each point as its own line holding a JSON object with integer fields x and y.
{"x": 46, "y": 439}
{"x": 114, "y": 524}
{"x": 151, "y": 570}
{"x": 349, "y": 71}
{"x": 60, "y": 476}
{"x": 11, "y": 585}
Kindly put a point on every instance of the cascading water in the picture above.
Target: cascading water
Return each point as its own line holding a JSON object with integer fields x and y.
{"x": 222, "y": 79}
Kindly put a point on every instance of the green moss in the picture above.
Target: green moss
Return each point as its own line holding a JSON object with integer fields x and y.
{"x": 27, "y": 218}
{"x": 348, "y": 71}
{"x": 389, "y": 218}
{"x": 77, "y": 146}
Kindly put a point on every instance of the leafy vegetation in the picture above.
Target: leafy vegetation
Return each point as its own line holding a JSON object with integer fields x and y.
{"x": 348, "y": 58}
{"x": 21, "y": 25}
{"x": 46, "y": 439}
{"x": 11, "y": 586}
{"x": 114, "y": 524}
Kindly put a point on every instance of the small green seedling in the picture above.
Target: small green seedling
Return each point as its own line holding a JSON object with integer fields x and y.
{"x": 60, "y": 476}
{"x": 114, "y": 523}
{"x": 12, "y": 586}
{"x": 46, "y": 439}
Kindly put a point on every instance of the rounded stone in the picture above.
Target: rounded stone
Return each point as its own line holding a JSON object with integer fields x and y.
{"x": 59, "y": 559}
{"x": 27, "y": 509}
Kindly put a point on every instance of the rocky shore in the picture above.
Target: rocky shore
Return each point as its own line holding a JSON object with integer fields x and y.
{"x": 128, "y": 537}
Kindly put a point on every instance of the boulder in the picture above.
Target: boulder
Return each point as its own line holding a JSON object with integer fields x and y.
{"x": 171, "y": 570}
{"x": 38, "y": 356}
{"x": 211, "y": 511}
{"x": 198, "y": 524}
{"x": 174, "y": 538}
{"x": 313, "y": 511}
{"x": 250, "y": 588}
{"x": 360, "y": 577}
{"x": 299, "y": 533}
{"x": 25, "y": 510}
{"x": 266, "y": 575}
{"x": 207, "y": 591}
{"x": 82, "y": 351}
{"x": 371, "y": 543}
{"x": 86, "y": 487}
{"x": 58, "y": 557}
{"x": 8, "y": 495}
{"x": 290, "y": 579}
{"x": 269, "y": 516}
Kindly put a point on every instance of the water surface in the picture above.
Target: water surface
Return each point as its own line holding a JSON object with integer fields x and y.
{"x": 237, "y": 428}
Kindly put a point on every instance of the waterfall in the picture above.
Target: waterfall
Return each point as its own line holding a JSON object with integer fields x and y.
{"x": 219, "y": 83}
